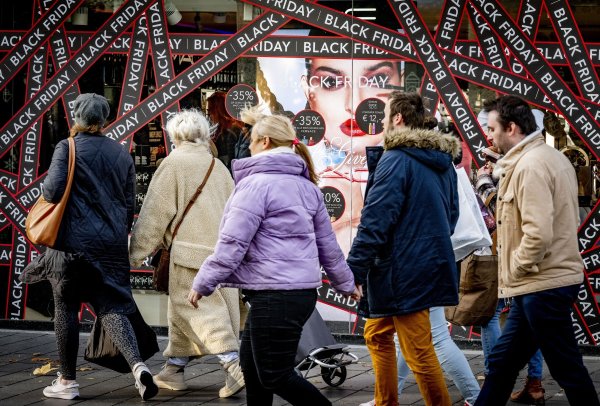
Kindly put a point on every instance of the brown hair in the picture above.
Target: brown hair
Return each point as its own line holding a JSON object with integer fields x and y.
{"x": 410, "y": 106}
{"x": 512, "y": 109}
{"x": 281, "y": 133}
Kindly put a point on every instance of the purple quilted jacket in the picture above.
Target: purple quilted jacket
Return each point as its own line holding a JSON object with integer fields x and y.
{"x": 275, "y": 232}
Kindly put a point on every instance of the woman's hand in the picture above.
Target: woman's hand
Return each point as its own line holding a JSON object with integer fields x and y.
{"x": 358, "y": 293}
{"x": 193, "y": 297}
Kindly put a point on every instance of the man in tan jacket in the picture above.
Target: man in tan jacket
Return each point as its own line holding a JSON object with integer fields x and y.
{"x": 540, "y": 268}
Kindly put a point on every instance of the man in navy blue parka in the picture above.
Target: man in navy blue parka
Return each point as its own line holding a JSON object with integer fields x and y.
{"x": 403, "y": 248}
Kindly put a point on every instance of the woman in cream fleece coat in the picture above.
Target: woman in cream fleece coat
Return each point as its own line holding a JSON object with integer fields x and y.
{"x": 212, "y": 328}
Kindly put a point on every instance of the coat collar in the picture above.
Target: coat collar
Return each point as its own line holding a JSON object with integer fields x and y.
{"x": 192, "y": 146}
{"x": 274, "y": 163}
{"x": 422, "y": 139}
{"x": 508, "y": 162}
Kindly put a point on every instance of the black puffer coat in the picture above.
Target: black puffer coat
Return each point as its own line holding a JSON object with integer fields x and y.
{"x": 99, "y": 213}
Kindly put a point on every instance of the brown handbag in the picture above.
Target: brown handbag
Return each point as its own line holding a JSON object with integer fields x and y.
{"x": 44, "y": 218}
{"x": 478, "y": 288}
{"x": 477, "y": 293}
{"x": 161, "y": 260}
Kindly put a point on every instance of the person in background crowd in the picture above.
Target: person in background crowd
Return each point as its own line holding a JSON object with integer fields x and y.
{"x": 274, "y": 237}
{"x": 213, "y": 328}
{"x": 452, "y": 360}
{"x": 540, "y": 265}
{"x": 93, "y": 241}
{"x": 406, "y": 254}
{"x": 228, "y": 129}
{"x": 242, "y": 146}
{"x": 486, "y": 187}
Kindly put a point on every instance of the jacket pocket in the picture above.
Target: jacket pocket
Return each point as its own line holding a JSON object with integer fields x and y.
{"x": 518, "y": 270}
{"x": 507, "y": 218}
{"x": 190, "y": 255}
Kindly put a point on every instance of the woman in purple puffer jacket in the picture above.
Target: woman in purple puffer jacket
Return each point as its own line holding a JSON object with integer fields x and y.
{"x": 274, "y": 237}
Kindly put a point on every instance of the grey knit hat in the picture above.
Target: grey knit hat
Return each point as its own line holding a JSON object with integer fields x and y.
{"x": 90, "y": 109}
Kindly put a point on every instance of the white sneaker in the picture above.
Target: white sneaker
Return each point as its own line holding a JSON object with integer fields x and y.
{"x": 171, "y": 377}
{"x": 369, "y": 403}
{"x": 143, "y": 381}
{"x": 234, "y": 381}
{"x": 58, "y": 390}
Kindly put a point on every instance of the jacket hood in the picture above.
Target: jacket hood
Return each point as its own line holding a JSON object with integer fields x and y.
{"x": 287, "y": 164}
{"x": 430, "y": 147}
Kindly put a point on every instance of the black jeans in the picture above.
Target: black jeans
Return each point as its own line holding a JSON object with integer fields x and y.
{"x": 539, "y": 320}
{"x": 269, "y": 346}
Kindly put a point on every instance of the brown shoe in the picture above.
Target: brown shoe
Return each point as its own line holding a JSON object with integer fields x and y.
{"x": 531, "y": 394}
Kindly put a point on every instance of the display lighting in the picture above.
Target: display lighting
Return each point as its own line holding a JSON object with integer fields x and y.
{"x": 173, "y": 15}
{"x": 353, "y": 12}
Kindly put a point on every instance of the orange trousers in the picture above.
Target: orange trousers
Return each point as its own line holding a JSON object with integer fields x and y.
{"x": 414, "y": 335}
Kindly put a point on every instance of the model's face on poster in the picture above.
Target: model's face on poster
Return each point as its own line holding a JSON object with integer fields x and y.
{"x": 335, "y": 87}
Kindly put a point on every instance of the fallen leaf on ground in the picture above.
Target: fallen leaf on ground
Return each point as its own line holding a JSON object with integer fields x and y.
{"x": 44, "y": 369}
{"x": 41, "y": 359}
{"x": 85, "y": 369}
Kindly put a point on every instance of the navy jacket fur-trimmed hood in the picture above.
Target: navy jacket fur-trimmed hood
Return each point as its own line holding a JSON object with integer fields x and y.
{"x": 402, "y": 250}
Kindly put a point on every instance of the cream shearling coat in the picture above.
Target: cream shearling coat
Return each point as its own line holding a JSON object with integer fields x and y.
{"x": 213, "y": 328}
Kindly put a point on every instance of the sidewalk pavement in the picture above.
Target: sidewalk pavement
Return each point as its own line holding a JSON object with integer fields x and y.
{"x": 23, "y": 351}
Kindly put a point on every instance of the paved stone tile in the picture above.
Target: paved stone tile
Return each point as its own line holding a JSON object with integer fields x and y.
{"x": 23, "y": 351}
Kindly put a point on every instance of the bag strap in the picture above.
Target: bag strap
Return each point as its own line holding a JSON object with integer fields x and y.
{"x": 70, "y": 170}
{"x": 494, "y": 236}
{"x": 489, "y": 199}
{"x": 193, "y": 199}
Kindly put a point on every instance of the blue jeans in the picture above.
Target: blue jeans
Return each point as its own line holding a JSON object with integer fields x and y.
{"x": 451, "y": 358}
{"x": 539, "y": 320}
{"x": 489, "y": 336}
{"x": 269, "y": 346}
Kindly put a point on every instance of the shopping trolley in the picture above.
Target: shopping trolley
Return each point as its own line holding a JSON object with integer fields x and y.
{"x": 318, "y": 348}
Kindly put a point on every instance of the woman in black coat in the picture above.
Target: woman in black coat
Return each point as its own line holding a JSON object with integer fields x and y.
{"x": 93, "y": 237}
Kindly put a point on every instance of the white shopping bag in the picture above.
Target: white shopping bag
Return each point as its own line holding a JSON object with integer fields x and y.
{"x": 470, "y": 232}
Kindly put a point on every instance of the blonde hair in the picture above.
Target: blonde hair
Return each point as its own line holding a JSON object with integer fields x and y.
{"x": 78, "y": 128}
{"x": 281, "y": 133}
{"x": 189, "y": 125}
{"x": 265, "y": 91}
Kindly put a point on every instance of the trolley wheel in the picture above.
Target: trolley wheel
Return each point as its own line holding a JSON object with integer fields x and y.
{"x": 334, "y": 376}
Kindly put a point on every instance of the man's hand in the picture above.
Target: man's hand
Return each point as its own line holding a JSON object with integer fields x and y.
{"x": 486, "y": 169}
{"x": 193, "y": 297}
